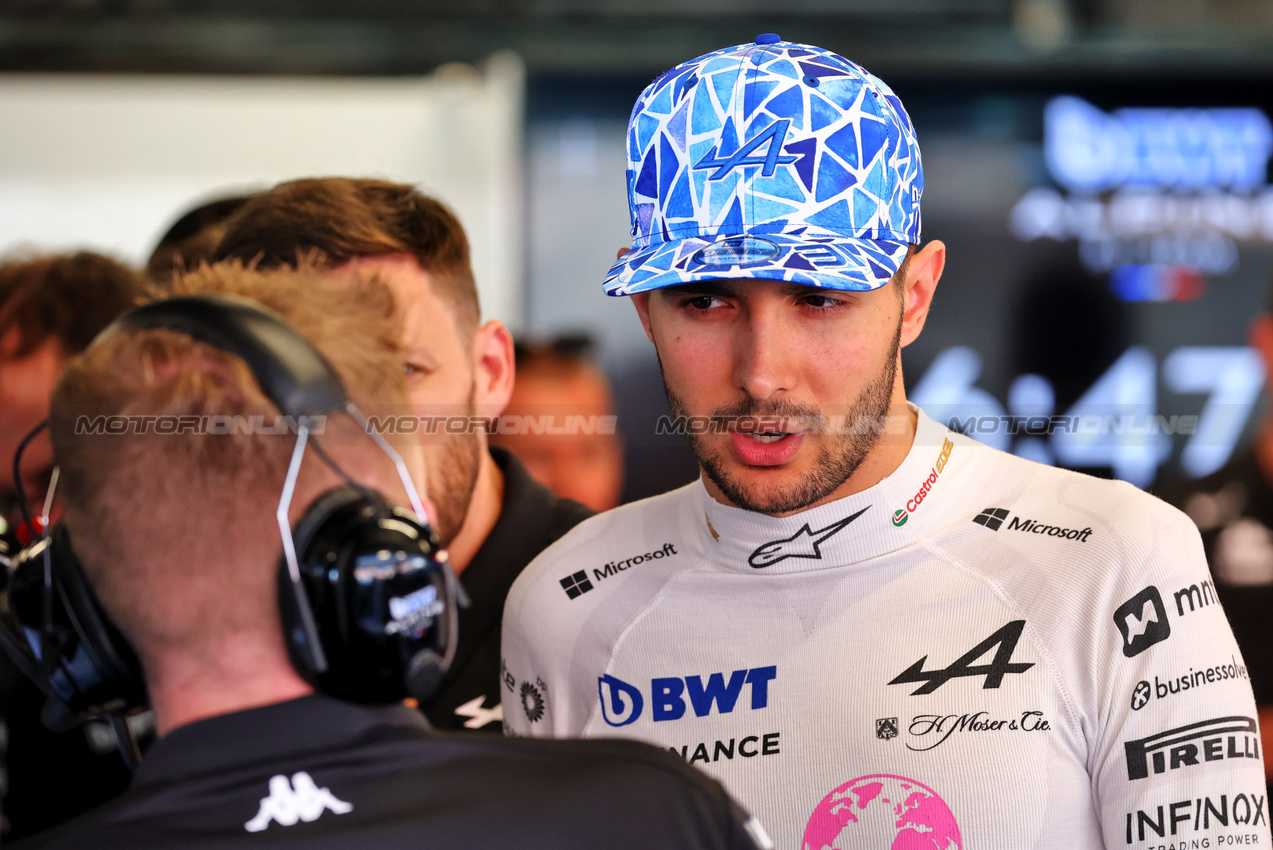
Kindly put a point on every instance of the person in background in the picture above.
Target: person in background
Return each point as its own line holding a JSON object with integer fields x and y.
{"x": 561, "y": 423}
{"x": 178, "y": 538}
{"x": 493, "y": 517}
{"x": 193, "y": 238}
{"x": 50, "y": 308}
{"x": 1233, "y": 509}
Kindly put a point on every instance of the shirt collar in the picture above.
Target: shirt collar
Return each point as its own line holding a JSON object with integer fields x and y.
{"x": 521, "y": 532}
{"x": 314, "y": 723}
{"x": 878, "y": 520}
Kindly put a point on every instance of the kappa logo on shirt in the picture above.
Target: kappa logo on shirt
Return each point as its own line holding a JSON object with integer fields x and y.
{"x": 298, "y": 800}
{"x": 803, "y": 544}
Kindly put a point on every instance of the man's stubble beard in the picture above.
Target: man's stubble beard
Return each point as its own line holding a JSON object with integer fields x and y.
{"x": 454, "y": 477}
{"x": 836, "y": 461}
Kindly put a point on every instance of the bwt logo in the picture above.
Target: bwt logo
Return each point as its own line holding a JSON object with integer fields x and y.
{"x": 622, "y": 703}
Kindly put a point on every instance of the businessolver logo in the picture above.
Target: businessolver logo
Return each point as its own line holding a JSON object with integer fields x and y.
{"x": 623, "y": 703}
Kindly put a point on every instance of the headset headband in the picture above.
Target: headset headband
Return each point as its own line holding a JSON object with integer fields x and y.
{"x": 291, "y": 372}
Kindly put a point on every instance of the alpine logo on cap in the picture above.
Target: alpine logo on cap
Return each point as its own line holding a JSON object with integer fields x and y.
{"x": 773, "y": 135}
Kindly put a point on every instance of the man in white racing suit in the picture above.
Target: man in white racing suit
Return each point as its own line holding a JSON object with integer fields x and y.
{"x": 874, "y": 631}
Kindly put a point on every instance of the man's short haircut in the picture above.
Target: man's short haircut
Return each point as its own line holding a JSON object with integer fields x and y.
{"x": 348, "y": 219}
{"x": 565, "y": 352}
{"x": 67, "y": 297}
{"x": 177, "y": 532}
{"x": 192, "y": 239}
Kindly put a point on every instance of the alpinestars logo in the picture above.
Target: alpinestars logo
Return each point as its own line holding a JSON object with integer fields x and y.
{"x": 1001, "y": 665}
{"x": 803, "y": 544}
{"x": 298, "y": 800}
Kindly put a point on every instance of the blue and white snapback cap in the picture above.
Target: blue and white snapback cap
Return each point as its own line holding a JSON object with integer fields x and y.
{"x": 770, "y": 160}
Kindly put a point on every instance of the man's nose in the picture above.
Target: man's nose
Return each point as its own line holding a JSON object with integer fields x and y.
{"x": 766, "y": 356}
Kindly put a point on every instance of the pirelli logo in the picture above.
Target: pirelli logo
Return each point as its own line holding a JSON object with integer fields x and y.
{"x": 1207, "y": 740}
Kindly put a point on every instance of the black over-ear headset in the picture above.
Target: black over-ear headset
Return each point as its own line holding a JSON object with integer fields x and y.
{"x": 366, "y": 592}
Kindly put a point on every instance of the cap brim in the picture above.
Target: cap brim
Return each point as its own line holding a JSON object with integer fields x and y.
{"x": 853, "y": 265}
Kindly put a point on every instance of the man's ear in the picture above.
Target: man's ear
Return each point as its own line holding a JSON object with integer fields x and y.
{"x": 641, "y": 301}
{"x": 622, "y": 251}
{"x": 922, "y": 275}
{"x": 493, "y": 368}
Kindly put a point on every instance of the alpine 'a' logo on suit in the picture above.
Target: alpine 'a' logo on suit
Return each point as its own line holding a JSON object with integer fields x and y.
{"x": 803, "y": 544}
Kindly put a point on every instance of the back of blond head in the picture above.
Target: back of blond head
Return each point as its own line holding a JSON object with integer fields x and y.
{"x": 177, "y": 532}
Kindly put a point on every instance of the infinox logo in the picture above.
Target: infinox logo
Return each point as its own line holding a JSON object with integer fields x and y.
{"x": 622, "y": 703}
{"x": 912, "y": 505}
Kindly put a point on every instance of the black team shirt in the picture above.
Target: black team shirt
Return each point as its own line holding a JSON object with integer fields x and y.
{"x": 530, "y": 520}
{"x": 1233, "y": 509}
{"x": 317, "y": 773}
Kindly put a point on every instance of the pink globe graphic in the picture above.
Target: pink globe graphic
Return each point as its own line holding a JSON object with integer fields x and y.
{"x": 882, "y": 811}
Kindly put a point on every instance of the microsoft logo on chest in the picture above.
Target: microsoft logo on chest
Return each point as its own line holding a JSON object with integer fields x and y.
{"x": 994, "y": 518}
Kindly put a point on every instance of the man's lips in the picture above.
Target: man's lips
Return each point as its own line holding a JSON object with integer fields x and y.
{"x": 765, "y": 448}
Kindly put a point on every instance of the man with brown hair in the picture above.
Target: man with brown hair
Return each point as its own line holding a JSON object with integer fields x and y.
{"x": 493, "y": 517}
{"x": 178, "y": 537}
{"x": 50, "y": 307}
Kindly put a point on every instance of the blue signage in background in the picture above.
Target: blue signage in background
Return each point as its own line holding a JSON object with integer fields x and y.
{"x": 1158, "y": 201}
{"x": 1090, "y": 151}
{"x": 1156, "y": 198}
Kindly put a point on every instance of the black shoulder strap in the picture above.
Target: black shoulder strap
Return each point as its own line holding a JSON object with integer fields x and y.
{"x": 291, "y": 372}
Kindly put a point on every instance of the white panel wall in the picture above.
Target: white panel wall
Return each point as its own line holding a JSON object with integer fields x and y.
{"x": 108, "y": 162}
